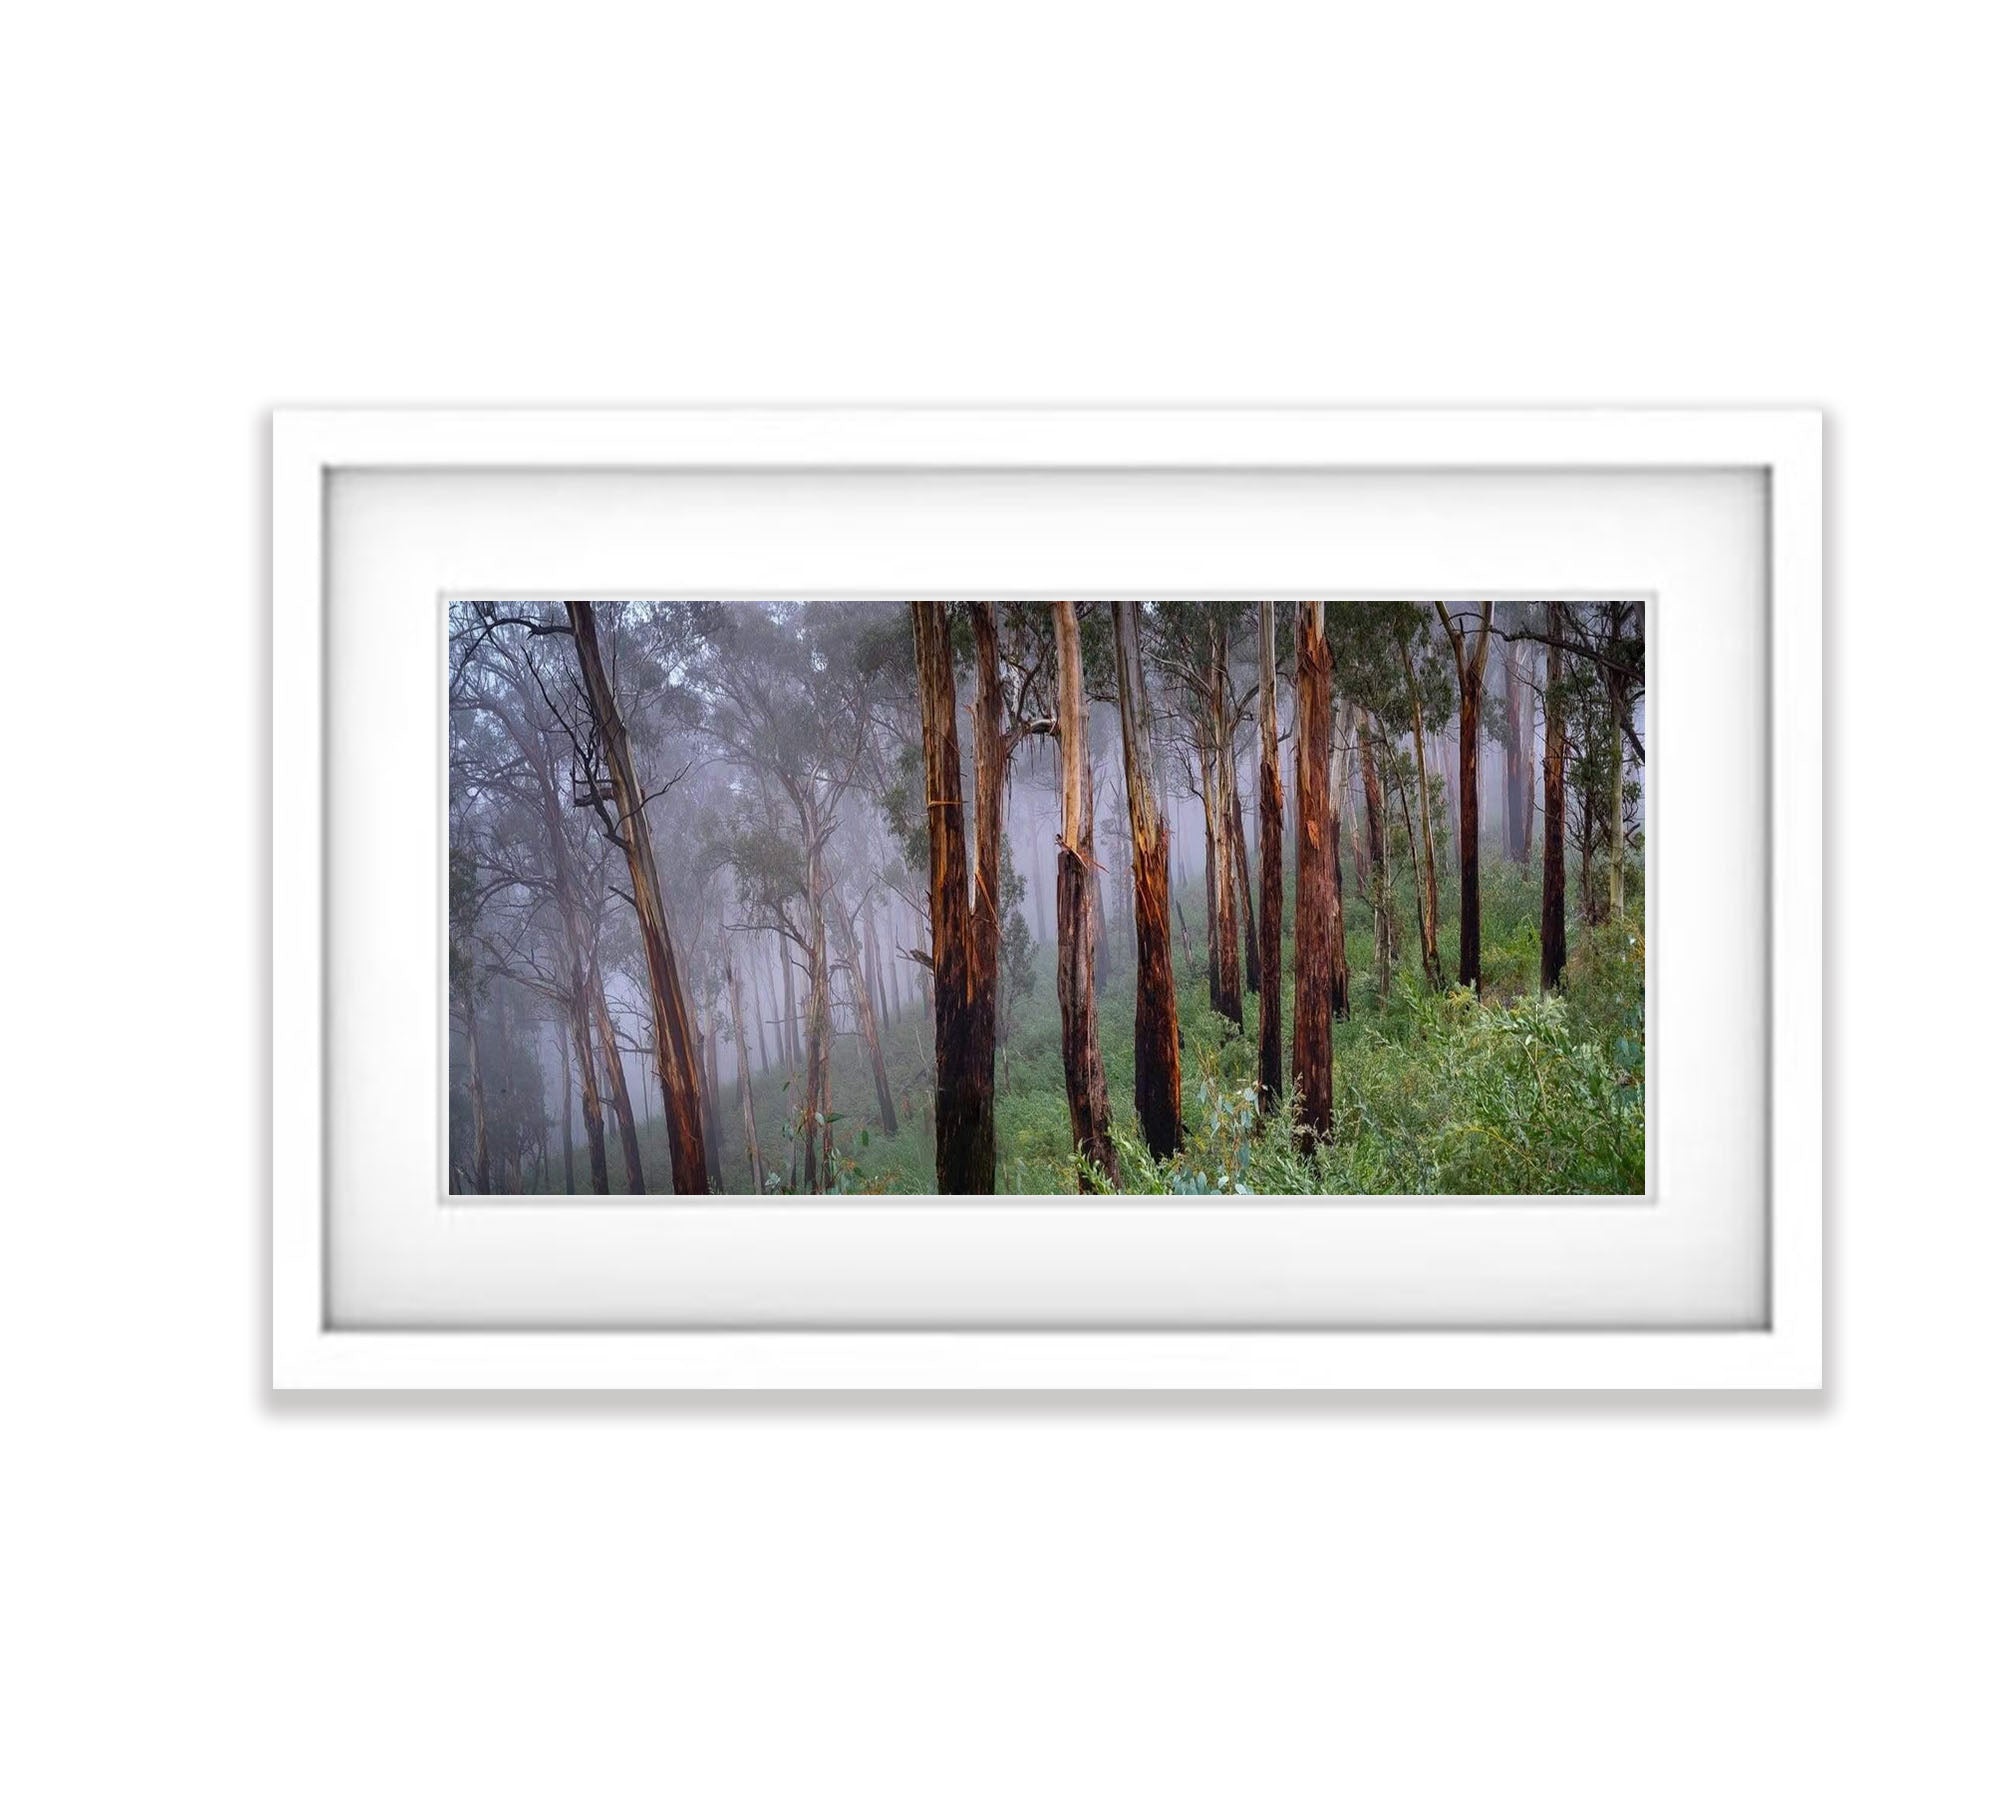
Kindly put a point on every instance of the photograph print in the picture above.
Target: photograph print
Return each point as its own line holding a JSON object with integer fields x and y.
{"x": 1211, "y": 898}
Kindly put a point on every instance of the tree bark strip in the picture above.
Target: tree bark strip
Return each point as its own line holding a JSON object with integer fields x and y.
{"x": 680, "y": 1079}
{"x": 1427, "y": 890}
{"x": 864, "y": 1008}
{"x": 1076, "y": 925}
{"x": 621, "y": 1095}
{"x": 1271, "y": 867}
{"x": 962, "y": 1001}
{"x": 1253, "y": 950}
{"x": 1156, "y": 1025}
{"x": 1312, "y": 1003}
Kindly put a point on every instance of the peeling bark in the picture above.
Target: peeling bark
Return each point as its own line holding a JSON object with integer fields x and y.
{"x": 963, "y": 1002}
{"x": 1156, "y": 1025}
{"x": 680, "y": 1081}
{"x": 1271, "y": 867}
{"x": 1076, "y": 924}
{"x": 1312, "y": 1005}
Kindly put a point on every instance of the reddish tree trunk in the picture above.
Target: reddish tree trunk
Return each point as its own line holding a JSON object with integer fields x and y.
{"x": 673, "y": 1038}
{"x": 1076, "y": 904}
{"x": 1271, "y": 867}
{"x": 1312, "y": 1005}
{"x": 963, "y": 1001}
{"x": 1156, "y": 1033}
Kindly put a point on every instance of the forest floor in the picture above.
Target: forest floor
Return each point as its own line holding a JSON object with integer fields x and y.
{"x": 1434, "y": 1093}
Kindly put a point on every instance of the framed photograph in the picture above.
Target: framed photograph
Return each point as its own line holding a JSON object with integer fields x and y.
{"x": 1046, "y": 900}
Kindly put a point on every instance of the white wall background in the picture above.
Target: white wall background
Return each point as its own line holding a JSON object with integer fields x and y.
{"x": 212, "y": 208}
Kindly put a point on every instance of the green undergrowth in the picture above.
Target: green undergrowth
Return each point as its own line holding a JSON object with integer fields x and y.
{"x": 1434, "y": 1093}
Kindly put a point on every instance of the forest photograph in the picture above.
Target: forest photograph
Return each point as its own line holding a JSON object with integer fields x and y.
{"x": 1064, "y": 898}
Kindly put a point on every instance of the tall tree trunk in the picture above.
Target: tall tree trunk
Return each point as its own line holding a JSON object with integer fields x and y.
{"x": 1253, "y": 952}
{"x": 814, "y": 1134}
{"x": 1586, "y": 848}
{"x": 1156, "y": 1036}
{"x": 872, "y": 971}
{"x": 788, "y": 1037}
{"x": 1312, "y": 1004}
{"x": 864, "y": 1008}
{"x": 962, "y": 991}
{"x": 1222, "y": 777}
{"x": 1336, "y": 788}
{"x": 744, "y": 1098}
{"x": 1100, "y": 925}
{"x": 1378, "y": 856}
{"x": 1517, "y": 760}
{"x": 593, "y": 1100}
{"x": 1471, "y": 661}
{"x": 711, "y": 1110}
{"x": 680, "y": 1081}
{"x": 1076, "y": 906}
{"x": 1364, "y": 863}
{"x": 1528, "y": 781}
{"x": 621, "y": 1095}
{"x": 757, "y": 1010}
{"x": 1208, "y": 885}
{"x": 1271, "y": 867}
{"x": 1427, "y": 882}
{"x": 1555, "y": 932}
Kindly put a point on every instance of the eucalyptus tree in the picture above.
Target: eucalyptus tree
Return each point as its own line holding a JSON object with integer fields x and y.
{"x": 1271, "y": 861}
{"x": 607, "y": 776}
{"x": 1469, "y": 633}
{"x": 1555, "y": 929}
{"x": 1192, "y": 644}
{"x": 510, "y": 746}
{"x": 962, "y": 956}
{"x": 1156, "y": 1052}
{"x": 791, "y": 691}
{"x": 1312, "y": 1002}
{"x": 1076, "y": 902}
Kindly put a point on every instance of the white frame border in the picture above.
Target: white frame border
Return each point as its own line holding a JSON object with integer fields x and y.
{"x": 308, "y": 445}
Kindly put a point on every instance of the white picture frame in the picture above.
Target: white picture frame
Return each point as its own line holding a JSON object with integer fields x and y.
{"x": 314, "y": 1348}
